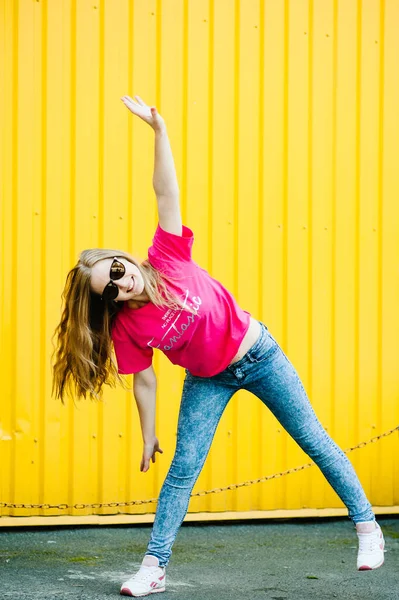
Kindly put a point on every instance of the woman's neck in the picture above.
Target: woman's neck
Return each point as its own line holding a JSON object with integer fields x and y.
{"x": 139, "y": 301}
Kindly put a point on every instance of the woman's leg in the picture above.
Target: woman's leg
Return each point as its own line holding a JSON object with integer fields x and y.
{"x": 202, "y": 405}
{"x": 272, "y": 378}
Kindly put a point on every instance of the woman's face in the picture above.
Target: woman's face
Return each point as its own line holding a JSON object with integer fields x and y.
{"x": 130, "y": 285}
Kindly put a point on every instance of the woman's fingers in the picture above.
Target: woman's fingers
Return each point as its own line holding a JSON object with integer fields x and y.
{"x": 140, "y": 101}
{"x": 130, "y": 103}
{"x": 154, "y": 454}
{"x": 149, "y": 114}
{"x": 145, "y": 463}
{"x": 141, "y": 110}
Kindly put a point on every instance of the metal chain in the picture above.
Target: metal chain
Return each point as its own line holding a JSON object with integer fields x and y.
{"x": 235, "y": 486}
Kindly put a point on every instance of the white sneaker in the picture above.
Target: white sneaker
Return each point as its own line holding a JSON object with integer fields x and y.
{"x": 371, "y": 550}
{"x": 149, "y": 579}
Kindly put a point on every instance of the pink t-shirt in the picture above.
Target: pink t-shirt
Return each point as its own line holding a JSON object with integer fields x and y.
{"x": 205, "y": 340}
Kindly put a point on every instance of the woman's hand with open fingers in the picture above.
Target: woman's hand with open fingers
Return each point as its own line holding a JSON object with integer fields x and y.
{"x": 149, "y": 451}
{"x": 149, "y": 114}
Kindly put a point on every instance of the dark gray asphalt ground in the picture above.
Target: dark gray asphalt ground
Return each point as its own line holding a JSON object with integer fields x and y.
{"x": 279, "y": 560}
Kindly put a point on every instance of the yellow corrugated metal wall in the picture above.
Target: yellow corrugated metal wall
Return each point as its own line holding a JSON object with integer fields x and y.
{"x": 283, "y": 118}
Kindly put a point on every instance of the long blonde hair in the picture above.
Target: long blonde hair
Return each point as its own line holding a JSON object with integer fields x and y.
{"x": 82, "y": 359}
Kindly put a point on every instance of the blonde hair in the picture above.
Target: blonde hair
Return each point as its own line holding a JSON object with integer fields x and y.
{"x": 82, "y": 359}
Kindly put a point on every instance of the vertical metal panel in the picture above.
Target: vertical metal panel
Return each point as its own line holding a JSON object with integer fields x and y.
{"x": 284, "y": 125}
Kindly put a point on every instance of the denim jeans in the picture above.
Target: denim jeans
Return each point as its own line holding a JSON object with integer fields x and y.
{"x": 266, "y": 372}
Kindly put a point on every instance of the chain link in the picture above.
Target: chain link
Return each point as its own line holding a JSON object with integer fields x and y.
{"x": 234, "y": 486}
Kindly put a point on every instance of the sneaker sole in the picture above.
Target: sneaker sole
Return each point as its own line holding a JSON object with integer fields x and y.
{"x": 127, "y": 592}
{"x": 367, "y": 568}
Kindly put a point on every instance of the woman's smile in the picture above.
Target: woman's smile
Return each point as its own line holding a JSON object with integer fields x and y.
{"x": 131, "y": 288}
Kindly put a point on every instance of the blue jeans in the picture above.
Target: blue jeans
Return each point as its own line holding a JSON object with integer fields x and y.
{"x": 266, "y": 372}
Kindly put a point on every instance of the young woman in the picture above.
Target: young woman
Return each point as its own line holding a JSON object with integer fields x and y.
{"x": 168, "y": 302}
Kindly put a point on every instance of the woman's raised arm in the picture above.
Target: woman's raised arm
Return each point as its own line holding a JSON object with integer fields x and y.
{"x": 164, "y": 179}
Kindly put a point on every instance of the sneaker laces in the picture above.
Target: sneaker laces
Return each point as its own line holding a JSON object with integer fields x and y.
{"x": 369, "y": 542}
{"x": 144, "y": 573}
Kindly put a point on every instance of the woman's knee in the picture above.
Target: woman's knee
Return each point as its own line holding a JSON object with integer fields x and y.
{"x": 317, "y": 444}
{"x": 324, "y": 451}
{"x": 183, "y": 471}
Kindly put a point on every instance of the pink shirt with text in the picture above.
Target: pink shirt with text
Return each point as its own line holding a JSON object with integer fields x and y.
{"x": 204, "y": 339}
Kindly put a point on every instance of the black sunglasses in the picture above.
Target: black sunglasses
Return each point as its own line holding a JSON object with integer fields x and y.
{"x": 117, "y": 271}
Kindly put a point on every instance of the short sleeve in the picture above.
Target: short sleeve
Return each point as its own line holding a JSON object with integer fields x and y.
{"x": 169, "y": 249}
{"x": 130, "y": 357}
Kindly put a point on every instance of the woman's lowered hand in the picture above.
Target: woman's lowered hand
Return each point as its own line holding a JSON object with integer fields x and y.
{"x": 149, "y": 451}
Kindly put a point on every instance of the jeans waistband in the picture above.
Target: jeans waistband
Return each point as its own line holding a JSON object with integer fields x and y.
{"x": 247, "y": 358}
